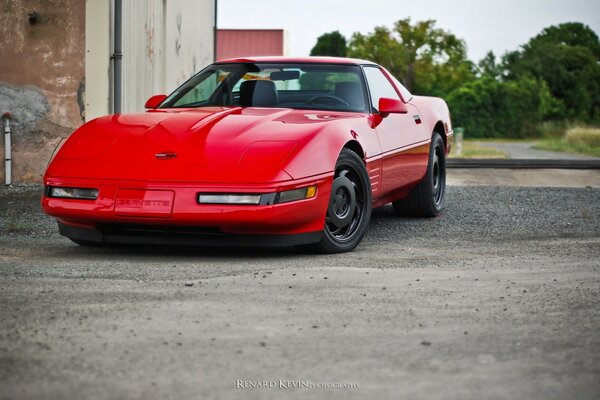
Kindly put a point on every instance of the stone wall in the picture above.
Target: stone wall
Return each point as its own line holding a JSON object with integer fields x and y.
{"x": 42, "y": 64}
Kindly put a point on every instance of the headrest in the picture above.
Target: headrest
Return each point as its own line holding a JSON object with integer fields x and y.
{"x": 257, "y": 93}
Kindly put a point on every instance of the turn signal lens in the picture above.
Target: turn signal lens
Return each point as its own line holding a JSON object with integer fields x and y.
{"x": 296, "y": 194}
{"x": 72, "y": 193}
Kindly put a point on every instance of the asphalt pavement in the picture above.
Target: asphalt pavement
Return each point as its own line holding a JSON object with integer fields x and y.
{"x": 498, "y": 298}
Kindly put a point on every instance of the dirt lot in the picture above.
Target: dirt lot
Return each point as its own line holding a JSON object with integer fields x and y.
{"x": 499, "y": 298}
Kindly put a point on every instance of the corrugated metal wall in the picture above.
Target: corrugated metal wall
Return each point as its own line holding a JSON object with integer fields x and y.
{"x": 143, "y": 36}
{"x": 189, "y": 41}
{"x": 164, "y": 43}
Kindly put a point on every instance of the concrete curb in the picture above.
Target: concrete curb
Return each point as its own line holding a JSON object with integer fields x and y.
{"x": 522, "y": 163}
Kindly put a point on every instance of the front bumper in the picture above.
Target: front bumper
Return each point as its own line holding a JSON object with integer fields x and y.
{"x": 177, "y": 236}
{"x": 103, "y": 219}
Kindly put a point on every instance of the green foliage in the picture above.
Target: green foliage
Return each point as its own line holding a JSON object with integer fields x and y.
{"x": 567, "y": 58}
{"x": 489, "y": 67}
{"x": 576, "y": 140}
{"x": 427, "y": 60}
{"x": 487, "y": 107}
{"x": 571, "y": 34}
{"x": 330, "y": 44}
{"x": 549, "y": 84}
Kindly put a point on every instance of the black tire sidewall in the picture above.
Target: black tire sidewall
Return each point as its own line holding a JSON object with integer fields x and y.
{"x": 328, "y": 243}
{"x": 436, "y": 141}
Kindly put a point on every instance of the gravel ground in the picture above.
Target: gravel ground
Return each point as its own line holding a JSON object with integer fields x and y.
{"x": 498, "y": 298}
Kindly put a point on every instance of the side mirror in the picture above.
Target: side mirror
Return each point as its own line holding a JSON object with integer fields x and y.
{"x": 391, "y": 106}
{"x": 154, "y": 101}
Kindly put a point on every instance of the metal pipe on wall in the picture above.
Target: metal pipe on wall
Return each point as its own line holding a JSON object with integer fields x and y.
{"x": 117, "y": 56}
{"x": 215, "y": 31}
{"x": 7, "y": 149}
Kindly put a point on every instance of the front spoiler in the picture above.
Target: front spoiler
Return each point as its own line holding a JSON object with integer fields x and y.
{"x": 144, "y": 235}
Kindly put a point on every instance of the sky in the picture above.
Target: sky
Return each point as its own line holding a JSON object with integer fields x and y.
{"x": 485, "y": 25}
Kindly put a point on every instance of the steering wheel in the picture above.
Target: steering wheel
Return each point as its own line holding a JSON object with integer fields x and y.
{"x": 327, "y": 99}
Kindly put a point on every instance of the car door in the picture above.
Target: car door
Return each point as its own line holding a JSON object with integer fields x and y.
{"x": 404, "y": 142}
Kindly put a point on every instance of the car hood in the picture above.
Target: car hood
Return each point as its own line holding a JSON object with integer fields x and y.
{"x": 225, "y": 145}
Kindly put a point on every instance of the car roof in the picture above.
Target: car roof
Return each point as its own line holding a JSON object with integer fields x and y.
{"x": 300, "y": 60}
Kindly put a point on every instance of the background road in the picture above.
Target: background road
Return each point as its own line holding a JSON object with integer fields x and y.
{"x": 497, "y": 298}
{"x": 525, "y": 150}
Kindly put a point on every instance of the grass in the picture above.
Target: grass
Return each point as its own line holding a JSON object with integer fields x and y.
{"x": 471, "y": 149}
{"x": 576, "y": 140}
{"x": 497, "y": 140}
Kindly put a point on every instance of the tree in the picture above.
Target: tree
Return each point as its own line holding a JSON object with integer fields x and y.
{"x": 572, "y": 34}
{"x": 489, "y": 67}
{"x": 567, "y": 58}
{"x": 488, "y": 107}
{"x": 426, "y": 59}
{"x": 330, "y": 44}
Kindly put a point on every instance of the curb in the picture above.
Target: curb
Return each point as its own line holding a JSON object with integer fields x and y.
{"x": 522, "y": 163}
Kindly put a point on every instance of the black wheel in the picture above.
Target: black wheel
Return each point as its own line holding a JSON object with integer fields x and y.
{"x": 427, "y": 198}
{"x": 349, "y": 209}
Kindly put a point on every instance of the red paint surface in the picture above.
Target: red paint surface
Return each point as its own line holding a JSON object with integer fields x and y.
{"x": 144, "y": 203}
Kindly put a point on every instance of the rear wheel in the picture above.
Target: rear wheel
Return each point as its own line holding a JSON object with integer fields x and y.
{"x": 427, "y": 198}
{"x": 349, "y": 209}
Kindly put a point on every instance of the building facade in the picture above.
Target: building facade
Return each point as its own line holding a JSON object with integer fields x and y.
{"x": 232, "y": 43}
{"x": 58, "y": 58}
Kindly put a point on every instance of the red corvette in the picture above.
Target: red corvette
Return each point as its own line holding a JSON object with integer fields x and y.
{"x": 264, "y": 151}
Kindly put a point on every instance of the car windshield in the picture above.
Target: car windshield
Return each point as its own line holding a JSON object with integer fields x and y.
{"x": 302, "y": 86}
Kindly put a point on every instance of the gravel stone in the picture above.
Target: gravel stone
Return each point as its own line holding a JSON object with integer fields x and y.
{"x": 533, "y": 251}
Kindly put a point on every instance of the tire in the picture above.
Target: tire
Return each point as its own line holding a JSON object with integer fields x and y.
{"x": 427, "y": 198}
{"x": 349, "y": 209}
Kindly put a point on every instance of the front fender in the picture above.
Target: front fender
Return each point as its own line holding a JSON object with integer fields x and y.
{"x": 319, "y": 152}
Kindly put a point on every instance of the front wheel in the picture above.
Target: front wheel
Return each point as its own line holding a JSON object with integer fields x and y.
{"x": 427, "y": 198}
{"x": 349, "y": 209}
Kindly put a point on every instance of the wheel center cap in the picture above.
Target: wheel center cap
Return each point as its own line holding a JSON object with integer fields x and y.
{"x": 343, "y": 202}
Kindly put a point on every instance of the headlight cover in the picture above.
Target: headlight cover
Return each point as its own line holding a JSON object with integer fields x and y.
{"x": 72, "y": 193}
{"x": 229, "y": 198}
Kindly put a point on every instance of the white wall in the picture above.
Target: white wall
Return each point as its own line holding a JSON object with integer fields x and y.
{"x": 189, "y": 39}
{"x": 97, "y": 58}
{"x": 164, "y": 43}
{"x": 142, "y": 52}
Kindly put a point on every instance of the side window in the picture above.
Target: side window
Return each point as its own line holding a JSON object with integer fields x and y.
{"x": 406, "y": 95}
{"x": 379, "y": 86}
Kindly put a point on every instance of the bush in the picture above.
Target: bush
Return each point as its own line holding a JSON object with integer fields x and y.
{"x": 489, "y": 108}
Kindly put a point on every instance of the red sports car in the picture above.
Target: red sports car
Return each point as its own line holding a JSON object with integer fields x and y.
{"x": 271, "y": 151}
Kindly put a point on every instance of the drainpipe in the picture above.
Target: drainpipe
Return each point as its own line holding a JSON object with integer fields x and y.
{"x": 6, "y": 117}
{"x": 215, "y": 30}
{"x": 117, "y": 56}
